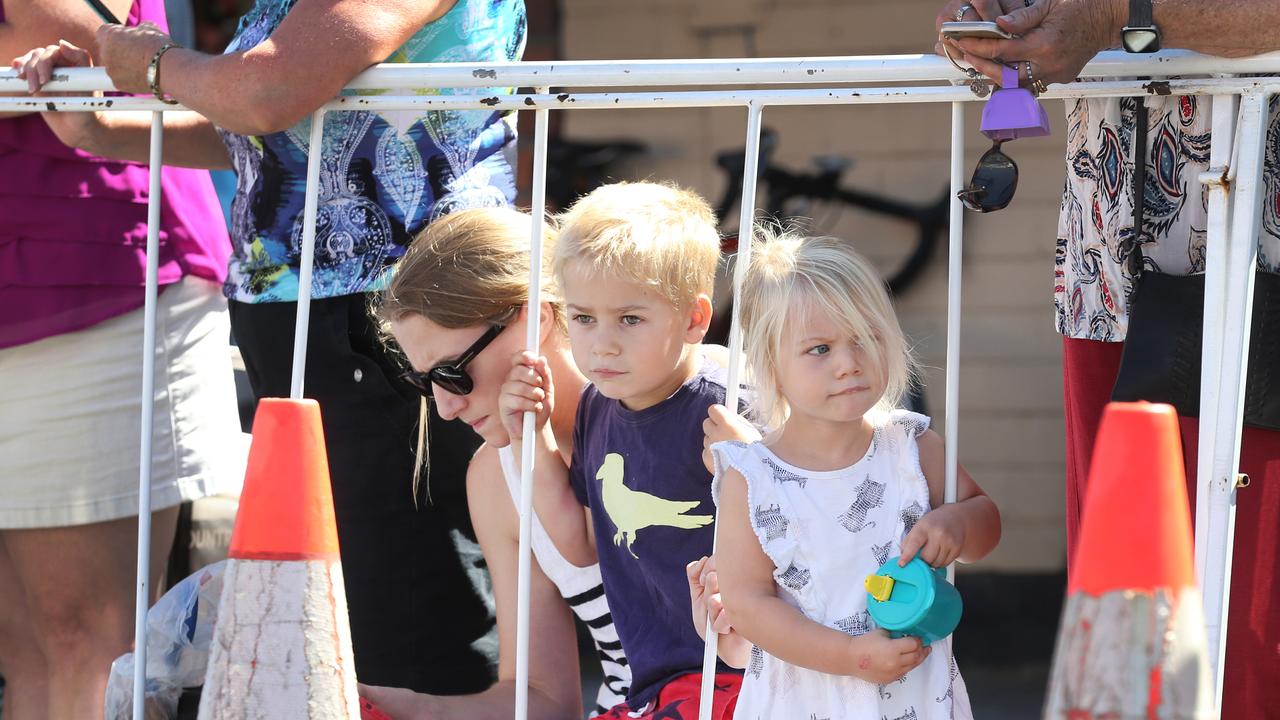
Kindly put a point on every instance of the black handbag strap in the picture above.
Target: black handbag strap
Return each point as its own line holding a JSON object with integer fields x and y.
{"x": 1135, "y": 258}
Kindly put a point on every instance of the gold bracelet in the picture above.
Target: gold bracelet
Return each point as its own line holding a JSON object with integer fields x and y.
{"x": 153, "y": 74}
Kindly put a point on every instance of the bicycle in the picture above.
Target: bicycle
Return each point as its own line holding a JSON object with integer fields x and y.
{"x": 576, "y": 167}
{"x": 788, "y": 197}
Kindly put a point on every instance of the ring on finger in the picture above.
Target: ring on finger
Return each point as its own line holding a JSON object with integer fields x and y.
{"x": 960, "y": 12}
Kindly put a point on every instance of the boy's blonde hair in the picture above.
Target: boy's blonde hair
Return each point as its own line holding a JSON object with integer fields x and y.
{"x": 654, "y": 234}
{"x": 791, "y": 274}
{"x": 467, "y": 268}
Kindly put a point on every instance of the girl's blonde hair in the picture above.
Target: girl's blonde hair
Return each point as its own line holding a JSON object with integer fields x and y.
{"x": 790, "y": 274}
{"x": 465, "y": 269}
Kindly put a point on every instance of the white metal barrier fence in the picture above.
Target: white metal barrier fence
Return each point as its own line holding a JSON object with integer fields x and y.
{"x": 1239, "y": 123}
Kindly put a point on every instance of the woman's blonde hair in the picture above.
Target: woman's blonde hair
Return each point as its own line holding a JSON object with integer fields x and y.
{"x": 465, "y": 269}
{"x": 470, "y": 268}
{"x": 790, "y": 274}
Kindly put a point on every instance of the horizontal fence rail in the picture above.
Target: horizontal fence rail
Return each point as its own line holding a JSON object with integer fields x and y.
{"x": 826, "y": 71}
{"x": 1234, "y": 209}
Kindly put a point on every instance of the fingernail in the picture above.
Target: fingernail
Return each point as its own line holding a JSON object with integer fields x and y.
{"x": 1005, "y": 18}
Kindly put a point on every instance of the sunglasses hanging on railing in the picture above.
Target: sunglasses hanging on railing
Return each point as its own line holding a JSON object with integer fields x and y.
{"x": 1011, "y": 112}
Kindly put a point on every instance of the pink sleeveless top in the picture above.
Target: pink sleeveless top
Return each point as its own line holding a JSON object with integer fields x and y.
{"x": 73, "y": 227}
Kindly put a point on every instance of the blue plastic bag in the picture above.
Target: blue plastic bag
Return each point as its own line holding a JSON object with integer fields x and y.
{"x": 179, "y": 633}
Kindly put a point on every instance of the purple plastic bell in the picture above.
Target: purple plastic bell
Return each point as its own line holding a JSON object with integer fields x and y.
{"x": 1013, "y": 112}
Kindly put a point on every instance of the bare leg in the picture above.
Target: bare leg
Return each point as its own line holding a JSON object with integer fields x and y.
{"x": 79, "y": 586}
{"x": 21, "y": 660}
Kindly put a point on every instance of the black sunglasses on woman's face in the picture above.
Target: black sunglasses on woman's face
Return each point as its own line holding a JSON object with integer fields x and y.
{"x": 452, "y": 376}
{"x": 994, "y": 180}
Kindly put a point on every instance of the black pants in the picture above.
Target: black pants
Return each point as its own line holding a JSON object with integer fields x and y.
{"x": 417, "y": 588}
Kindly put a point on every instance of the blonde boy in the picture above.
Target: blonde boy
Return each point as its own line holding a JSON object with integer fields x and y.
{"x": 636, "y": 266}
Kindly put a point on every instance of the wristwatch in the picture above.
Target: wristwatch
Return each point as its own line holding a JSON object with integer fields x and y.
{"x": 1141, "y": 34}
{"x": 153, "y": 74}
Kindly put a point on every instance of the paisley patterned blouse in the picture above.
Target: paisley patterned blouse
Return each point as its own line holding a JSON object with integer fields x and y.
{"x": 384, "y": 175}
{"x": 1091, "y": 282}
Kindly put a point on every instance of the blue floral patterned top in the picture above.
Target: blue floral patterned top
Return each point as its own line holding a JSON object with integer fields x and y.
{"x": 384, "y": 175}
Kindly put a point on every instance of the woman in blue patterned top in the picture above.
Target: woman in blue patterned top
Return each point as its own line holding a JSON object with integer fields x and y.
{"x": 420, "y": 613}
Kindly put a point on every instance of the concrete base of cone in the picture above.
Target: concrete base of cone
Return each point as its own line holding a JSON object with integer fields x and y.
{"x": 282, "y": 646}
{"x": 1129, "y": 655}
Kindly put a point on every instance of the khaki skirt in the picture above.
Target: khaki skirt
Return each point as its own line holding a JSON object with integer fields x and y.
{"x": 71, "y": 414}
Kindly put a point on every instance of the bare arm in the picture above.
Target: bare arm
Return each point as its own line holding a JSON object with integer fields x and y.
{"x": 1233, "y": 28}
{"x": 556, "y": 504}
{"x": 554, "y": 689}
{"x": 530, "y": 388}
{"x": 750, "y": 597}
{"x": 36, "y": 23}
{"x": 316, "y": 50}
{"x": 190, "y": 140}
{"x": 966, "y": 530}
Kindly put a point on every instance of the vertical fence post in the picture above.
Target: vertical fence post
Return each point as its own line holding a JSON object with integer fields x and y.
{"x": 1215, "y": 294}
{"x": 1207, "y": 519}
{"x": 143, "y": 599}
{"x": 314, "y": 149}
{"x": 538, "y": 208}
{"x": 746, "y": 233}
{"x": 1217, "y": 533}
{"x": 955, "y": 254}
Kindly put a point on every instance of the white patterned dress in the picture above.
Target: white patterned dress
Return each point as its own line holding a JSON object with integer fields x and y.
{"x": 825, "y": 532}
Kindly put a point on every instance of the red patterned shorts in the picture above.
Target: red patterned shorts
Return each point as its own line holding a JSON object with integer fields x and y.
{"x": 678, "y": 700}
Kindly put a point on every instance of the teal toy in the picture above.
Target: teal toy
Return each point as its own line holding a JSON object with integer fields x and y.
{"x": 913, "y": 600}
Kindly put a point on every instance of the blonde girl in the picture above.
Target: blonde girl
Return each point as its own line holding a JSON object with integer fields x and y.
{"x": 845, "y": 482}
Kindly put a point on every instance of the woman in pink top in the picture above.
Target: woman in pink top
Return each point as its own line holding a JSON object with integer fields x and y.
{"x": 72, "y": 268}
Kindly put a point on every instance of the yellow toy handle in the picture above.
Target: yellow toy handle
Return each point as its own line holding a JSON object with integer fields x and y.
{"x": 880, "y": 587}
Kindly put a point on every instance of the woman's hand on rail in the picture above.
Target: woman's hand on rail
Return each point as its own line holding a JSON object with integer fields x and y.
{"x": 37, "y": 66}
{"x": 126, "y": 52}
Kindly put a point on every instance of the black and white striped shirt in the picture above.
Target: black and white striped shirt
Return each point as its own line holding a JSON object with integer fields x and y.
{"x": 583, "y": 589}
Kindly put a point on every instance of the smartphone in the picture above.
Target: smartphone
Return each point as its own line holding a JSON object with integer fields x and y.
{"x": 974, "y": 29}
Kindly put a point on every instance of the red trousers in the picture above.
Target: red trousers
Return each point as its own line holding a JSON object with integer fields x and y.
{"x": 679, "y": 699}
{"x": 1252, "y": 680}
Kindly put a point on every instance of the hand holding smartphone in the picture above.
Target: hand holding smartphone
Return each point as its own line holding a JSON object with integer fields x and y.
{"x": 974, "y": 29}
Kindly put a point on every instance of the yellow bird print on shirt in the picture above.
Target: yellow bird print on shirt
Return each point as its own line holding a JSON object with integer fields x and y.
{"x": 631, "y": 510}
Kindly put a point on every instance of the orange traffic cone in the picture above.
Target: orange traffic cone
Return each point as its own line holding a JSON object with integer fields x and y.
{"x": 282, "y": 646}
{"x": 1132, "y": 642}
